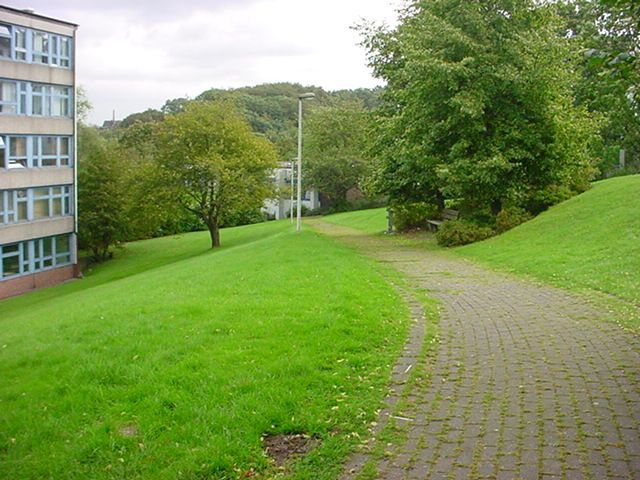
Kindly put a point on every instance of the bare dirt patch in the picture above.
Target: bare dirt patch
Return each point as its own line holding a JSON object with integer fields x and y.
{"x": 282, "y": 448}
{"x": 128, "y": 430}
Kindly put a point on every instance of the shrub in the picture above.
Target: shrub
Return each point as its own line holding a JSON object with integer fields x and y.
{"x": 542, "y": 199}
{"x": 461, "y": 232}
{"x": 412, "y": 216}
{"x": 511, "y": 217}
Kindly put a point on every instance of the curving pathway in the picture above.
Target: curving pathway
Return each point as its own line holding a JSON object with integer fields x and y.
{"x": 527, "y": 382}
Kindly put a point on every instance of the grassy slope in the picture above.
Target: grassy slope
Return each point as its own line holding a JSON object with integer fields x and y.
{"x": 369, "y": 221}
{"x": 176, "y": 371}
{"x": 590, "y": 241}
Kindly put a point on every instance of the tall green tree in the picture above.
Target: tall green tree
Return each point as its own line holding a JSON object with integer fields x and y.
{"x": 102, "y": 194}
{"x": 214, "y": 163}
{"x": 607, "y": 37}
{"x": 335, "y": 150}
{"x": 478, "y": 105}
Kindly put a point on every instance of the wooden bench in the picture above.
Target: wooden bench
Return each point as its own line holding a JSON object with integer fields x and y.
{"x": 447, "y": 214}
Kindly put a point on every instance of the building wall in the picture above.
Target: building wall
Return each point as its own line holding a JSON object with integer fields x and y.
{"x": 26, "y": 283}
{"x": 35, "y": 273}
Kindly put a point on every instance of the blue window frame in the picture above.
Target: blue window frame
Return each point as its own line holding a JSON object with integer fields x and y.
{"x": 35, "y": 46}
{"x": 5, "y": 41}
{"x": 35, "y": 99}
{"x": 35, "y": 255}
{"x": 35, "y": 151}
{"x": 36, "y": 203}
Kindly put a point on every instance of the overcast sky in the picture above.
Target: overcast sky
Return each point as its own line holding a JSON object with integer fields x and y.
{"x": 134, "y": 55}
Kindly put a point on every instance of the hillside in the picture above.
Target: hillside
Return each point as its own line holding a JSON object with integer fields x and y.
{"x": 174, "y": 360}
{"x": 590, "y": 241}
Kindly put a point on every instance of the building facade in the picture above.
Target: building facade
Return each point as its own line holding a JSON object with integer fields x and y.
{"x": 284, "y": 180}
{"x": 38, "y": 220}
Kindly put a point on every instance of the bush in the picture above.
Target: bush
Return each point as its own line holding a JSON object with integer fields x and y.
{"x": 412, "y": 216}
{"x": 511, "y": 217}
{"x": 460, "y": 232}
{"x": 541, "y": 200}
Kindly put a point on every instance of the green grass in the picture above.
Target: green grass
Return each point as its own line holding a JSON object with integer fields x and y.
{"x": 370, "y": 221}
{"x": 172, "y": 360}
{"x": 590, "y": 242}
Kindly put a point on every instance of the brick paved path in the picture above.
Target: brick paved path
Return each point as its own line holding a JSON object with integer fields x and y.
{"x": 527, "y": 383}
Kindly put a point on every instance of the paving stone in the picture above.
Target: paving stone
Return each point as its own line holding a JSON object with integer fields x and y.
{"x": 527, "y": 370}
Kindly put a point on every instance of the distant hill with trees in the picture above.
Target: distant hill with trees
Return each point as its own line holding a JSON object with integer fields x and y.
{"x": 270, "y": 108}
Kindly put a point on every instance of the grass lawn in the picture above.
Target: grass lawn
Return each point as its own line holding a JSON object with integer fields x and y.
{"x": 370, "y": 221}
{"x": 590, "y": 242}
{"x": 172, "y": 360}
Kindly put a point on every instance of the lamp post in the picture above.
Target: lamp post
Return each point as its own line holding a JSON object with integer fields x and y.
{"x": 301, "y": 97}
{"x": 293, "y": 170}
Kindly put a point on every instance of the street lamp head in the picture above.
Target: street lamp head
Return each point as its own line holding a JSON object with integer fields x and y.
{"x": 302, "y": 96}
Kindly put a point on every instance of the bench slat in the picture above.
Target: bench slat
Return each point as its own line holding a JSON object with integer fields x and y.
{"x": 447, "y": 214}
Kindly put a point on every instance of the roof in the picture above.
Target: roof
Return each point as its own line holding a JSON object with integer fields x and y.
{"x": 30, "y": 14}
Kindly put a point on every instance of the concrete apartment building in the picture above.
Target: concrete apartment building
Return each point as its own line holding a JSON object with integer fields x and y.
{"x": 38, "y": 221}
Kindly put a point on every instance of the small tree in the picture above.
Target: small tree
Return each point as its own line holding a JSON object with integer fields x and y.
{"x": 214, "y": 163}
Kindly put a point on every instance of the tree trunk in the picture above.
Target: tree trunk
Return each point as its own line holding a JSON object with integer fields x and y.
{"x": 214, "y": 231}
{"x": 496, "y": 206}
{"x": 440, "y": 200}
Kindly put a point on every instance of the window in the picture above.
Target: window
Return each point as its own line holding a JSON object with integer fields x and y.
{"x": 31, "y": 151}
{"x": 60, "y": 51}
{"x": 35, "y": 99}
{"x": 5, "y": 41}
{"x": 20, "y": 43}
{"x": 8, "y": 97}
{"x": 64, "y": 152}
{"x": 6, "y": 207}
{"x": 34, "y": 204}
{"x": 63, "y": 249}
{"x": 35, "y": 255}
{"x": 60, "y": 101}
{"x": 17, "y": 152}
{"x": 21, "y": 200}
{"x": 40, "y": 53}
{"x": 3, "y": 152}
{"x": 11, "y": 259}
{"x": 34, "y": 46}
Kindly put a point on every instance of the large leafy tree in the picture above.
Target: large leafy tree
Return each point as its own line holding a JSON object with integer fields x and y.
{"x": 335, "y": 150}
{"x": 478, "y": 105}
{"x": 608, "y": 38}
{"x": 213, "y": 161}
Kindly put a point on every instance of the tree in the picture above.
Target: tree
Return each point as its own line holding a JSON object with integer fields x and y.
{"x": 606, "y": 34}
{"x": 335, "y": 150}
{"x": 214, "y": 163}
{"x": 102, "y": 194}
{"x": 83, "y": 104}
{"x": 478, "y": 105}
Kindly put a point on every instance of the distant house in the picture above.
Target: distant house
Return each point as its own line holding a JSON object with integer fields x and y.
{"x": 38, "y": 221}
{"x": 109, "y": 124}
{"x": 280, "y": 206}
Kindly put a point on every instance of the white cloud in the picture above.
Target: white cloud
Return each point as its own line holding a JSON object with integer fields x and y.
{"x": 136, "y": 55}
